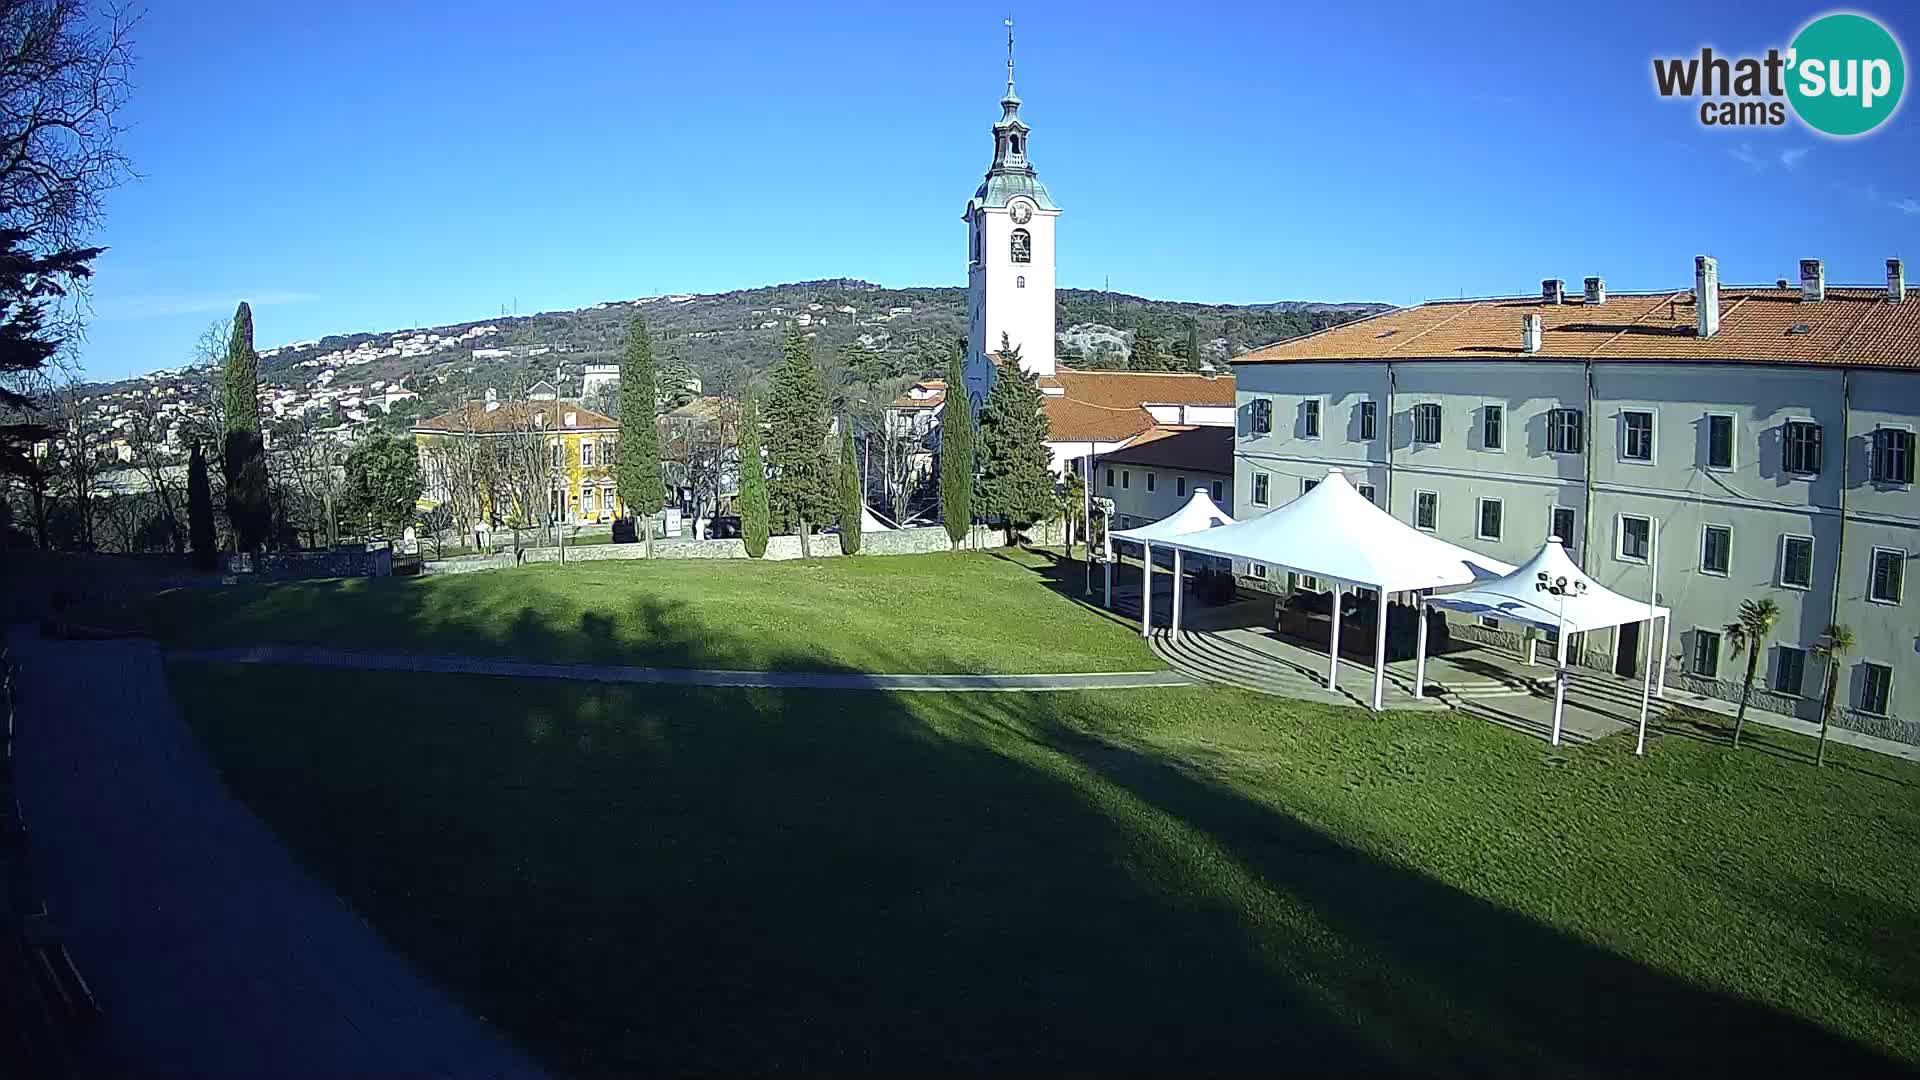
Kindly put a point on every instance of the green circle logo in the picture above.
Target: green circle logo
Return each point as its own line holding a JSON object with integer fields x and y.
{"x": 1846, "y": 73}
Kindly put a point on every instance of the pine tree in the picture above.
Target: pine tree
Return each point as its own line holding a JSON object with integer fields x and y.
{"x": 851, "y": 501}
{"x": 200, "y": 509}
{"x": 1016, "y": 484}
{"x": 31, "y": 281}
{"x": 638, "y": 471}
{"x": 752, "y": 500}
{"x": 249, "y": 501}
{"x": 801, "y": 492}
{"x": 956, "y": 454}
{"x": 1148, "y": 354}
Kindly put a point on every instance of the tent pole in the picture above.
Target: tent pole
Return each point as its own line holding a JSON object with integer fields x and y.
{"x": 1559, "y": 683}
{"x": 1660, "y": 686}
{"x": 1333, "y": 644}
{"x": 1106, "y": 555}
{"x": 1146, "y": 589}
{"x": 1653, "y": 594}
{"x": 1177, "y": 590}
{"x": 1646, "y": 689}
{"x": 1379, "y": 648}
{"x": 1420, "y": 650}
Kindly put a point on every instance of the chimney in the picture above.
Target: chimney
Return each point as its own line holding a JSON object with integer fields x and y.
{"x": 1530, "y": 333}
{"x": 1813, "y": 280}
{"x": 1596, "y": 290}
{"x": 1706, "y": 295}
{"x": 1553, "y": 290}
{"x": 1896, "y": 281}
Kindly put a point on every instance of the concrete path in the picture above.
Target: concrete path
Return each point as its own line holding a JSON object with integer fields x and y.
{"x": 311, "y": 656}
{"x": 212, "y": 953}
{"x": 1493, "y": 685}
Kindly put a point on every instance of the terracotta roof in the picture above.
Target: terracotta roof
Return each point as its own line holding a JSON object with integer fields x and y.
{"x": 701, "y": 408}
{"x": 511, "y": 416}
{"x": 1196, "y": 449}
{"x": 1765, "y": 325}
{"x": 1110, "y": 406}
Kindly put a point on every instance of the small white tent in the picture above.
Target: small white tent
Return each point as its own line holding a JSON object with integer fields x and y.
{"x": 1552, "y": 593}
{"x": 1197, "y": 514}
{"x": 1335, "y": 532}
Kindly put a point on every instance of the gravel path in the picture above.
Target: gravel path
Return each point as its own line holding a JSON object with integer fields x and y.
{"x": 801, "y": 680}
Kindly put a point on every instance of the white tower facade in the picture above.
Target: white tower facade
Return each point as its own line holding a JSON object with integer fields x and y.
{"x": 1010, "y": 255}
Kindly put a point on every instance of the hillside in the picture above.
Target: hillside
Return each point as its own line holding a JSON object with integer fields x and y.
{"x": 870, "y": 340}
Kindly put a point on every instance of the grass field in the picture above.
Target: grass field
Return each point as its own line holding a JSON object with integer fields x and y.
{"x": 944, "y": 613}
{"x": 640, "y": 878}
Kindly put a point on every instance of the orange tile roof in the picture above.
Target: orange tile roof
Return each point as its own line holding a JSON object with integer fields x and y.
{"x": 1764, "y": 325}
{"x": 1110, "y": 406}
{"x": 512, "y": 416}
{"x": 1197, "y": 449}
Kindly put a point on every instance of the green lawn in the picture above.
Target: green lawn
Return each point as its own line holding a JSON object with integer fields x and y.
{"x": 967, "y": 613}
{"x": 643, "y": 878}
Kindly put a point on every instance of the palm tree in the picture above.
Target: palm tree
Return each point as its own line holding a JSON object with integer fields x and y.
{"x": 1836, "y": 643}
{"x": 1749, "y": 634}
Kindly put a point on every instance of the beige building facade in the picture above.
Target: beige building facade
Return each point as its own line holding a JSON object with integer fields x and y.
{"x": 1770, "y": 449}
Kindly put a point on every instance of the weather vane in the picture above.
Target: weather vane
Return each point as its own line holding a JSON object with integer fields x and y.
{"x": 1009, "y": 52}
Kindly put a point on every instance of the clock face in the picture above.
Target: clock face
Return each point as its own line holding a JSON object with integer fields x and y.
{"x": 1022, "y": 213}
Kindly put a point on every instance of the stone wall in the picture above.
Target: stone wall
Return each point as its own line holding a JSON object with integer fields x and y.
{"x": 779, "y": 548}
{"x": 301, "y": 565}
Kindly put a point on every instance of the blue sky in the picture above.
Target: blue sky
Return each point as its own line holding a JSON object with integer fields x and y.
{"x": 372, "y": 166}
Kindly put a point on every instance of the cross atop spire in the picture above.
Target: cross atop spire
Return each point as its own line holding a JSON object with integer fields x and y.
{"x": 1010, "y": 56}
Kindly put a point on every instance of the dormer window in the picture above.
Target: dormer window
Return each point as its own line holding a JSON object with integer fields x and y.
{"x": 1022, "y": 246}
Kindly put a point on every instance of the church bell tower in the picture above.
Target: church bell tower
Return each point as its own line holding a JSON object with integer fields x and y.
{"x": 1009, "y": 255}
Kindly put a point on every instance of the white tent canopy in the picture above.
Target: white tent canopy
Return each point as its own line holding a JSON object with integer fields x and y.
{"x": 1198, "y": 514}
{"x": 1552, "y": 593}
{"x": 1335, "y": 532}
{"x": 1588, "y": 604}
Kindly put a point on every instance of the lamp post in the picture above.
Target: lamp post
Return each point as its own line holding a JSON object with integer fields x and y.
{"x": 1559, "y": 587}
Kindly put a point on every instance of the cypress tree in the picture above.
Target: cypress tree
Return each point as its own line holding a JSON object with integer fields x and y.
{"x": 200, "y": 509}
{"x": 249, "y": 505}
{"x": 802, "y": 490}
{"x": 638, "y": 471}
{"x": 1016, "y": 484}
{"x": 851, "y": 503}
{"x": 956, "y": 454}
{"x": 752, "y": 502}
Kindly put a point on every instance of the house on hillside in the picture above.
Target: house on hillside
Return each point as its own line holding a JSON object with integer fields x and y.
{"x": 531, "y": 462}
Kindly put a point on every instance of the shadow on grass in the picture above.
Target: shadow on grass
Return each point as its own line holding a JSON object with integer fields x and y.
{"x": 1699, "y": 725}
{"x": 693, "y": 880}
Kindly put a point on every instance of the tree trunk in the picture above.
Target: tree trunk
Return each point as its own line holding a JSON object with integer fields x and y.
{"x": 805, "y": 551}
{"x": 1826, "y": 711}
{"x": 646, "y": 522}
{"x": 1746, "y": 691}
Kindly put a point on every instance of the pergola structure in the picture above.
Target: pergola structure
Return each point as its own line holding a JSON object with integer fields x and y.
{"x": 1336, "y": 533}
{"x": 1197, "y": 514}
{"x": 1552, "y": 593}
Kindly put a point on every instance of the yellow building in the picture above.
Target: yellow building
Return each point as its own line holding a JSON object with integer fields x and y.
{"x": 520, "y": 462}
